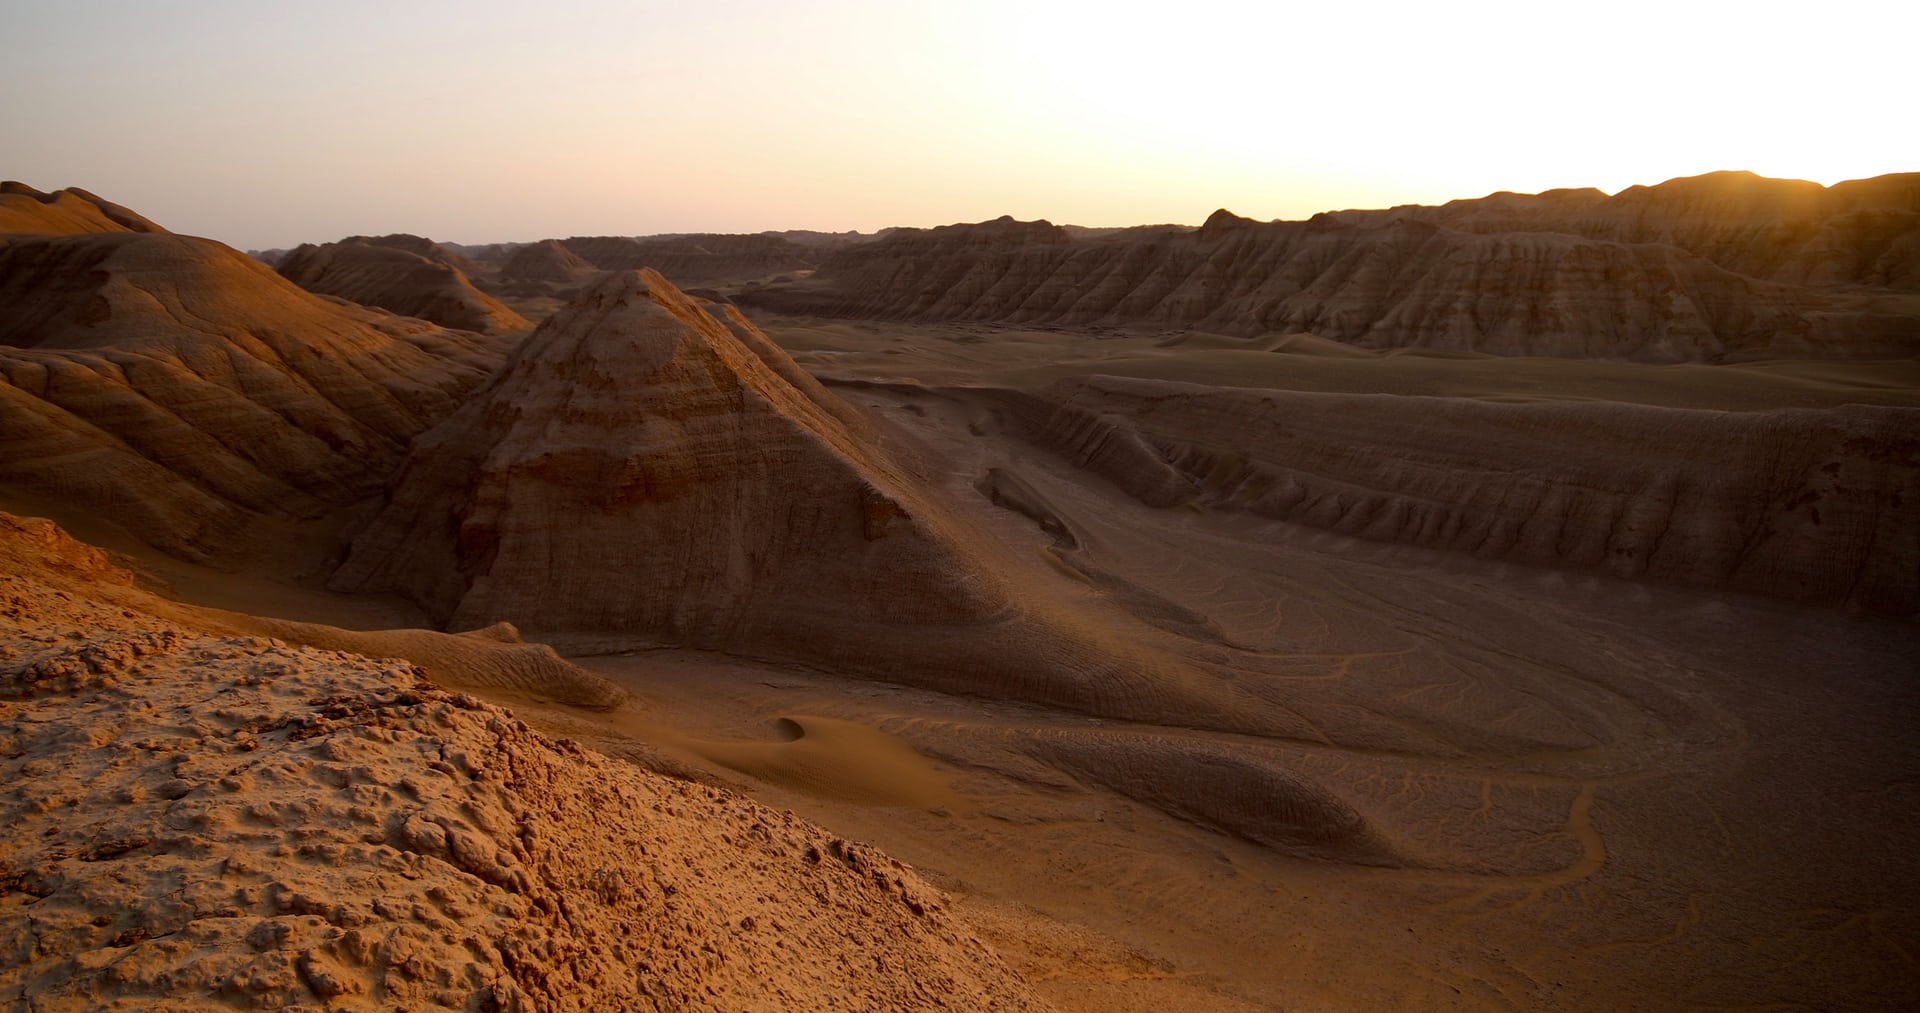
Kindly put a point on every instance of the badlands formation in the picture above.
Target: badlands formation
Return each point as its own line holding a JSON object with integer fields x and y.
{"x": 1508, "y": 604}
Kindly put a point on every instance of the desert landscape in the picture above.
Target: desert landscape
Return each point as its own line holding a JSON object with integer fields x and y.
{"x": 1506, "y": 604}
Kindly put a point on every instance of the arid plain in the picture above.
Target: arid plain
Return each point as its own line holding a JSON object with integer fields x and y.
{"x": 1502, "y": 605}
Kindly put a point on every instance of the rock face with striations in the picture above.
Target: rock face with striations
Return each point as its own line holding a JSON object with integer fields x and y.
{"x": 1808, "y": 505}
{"x": 406, "y": 274}
{"x": 644, "y": 468}
{"x": 1693, "y": 270}
{"x": 184, "y": 391}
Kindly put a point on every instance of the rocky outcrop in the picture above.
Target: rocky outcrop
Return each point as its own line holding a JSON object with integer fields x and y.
{"x": 1808, "y": 505}
{"x": 184, "y": 391}
{"x": 199, "y": 818}
{"x": 409, "y": 275}
{"x": 1516, "y": 276}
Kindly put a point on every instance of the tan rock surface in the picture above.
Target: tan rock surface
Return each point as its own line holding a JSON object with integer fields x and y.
{"x": 183, "y": 391}
{"x": 200, "y": 819}
{"x": 405, "y": 274}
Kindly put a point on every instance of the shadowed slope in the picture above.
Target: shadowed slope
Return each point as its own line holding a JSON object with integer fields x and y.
{"x": 406, "y": 274}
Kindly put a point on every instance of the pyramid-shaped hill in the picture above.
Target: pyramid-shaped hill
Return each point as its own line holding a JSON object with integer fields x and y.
{"x": 181, "y": 390}
{"x": 643, "y": 467}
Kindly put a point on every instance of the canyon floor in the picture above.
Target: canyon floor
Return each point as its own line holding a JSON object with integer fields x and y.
{"x": 1577, "y": 792}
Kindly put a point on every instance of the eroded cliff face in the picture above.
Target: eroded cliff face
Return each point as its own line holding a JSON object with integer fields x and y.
{"x": 181, "y": 390}
{"x": 1800, "y": 504}
{"x": 1694, "y": 270}
{"x": 641, "y": 467}
{"x": 409, "y": 275}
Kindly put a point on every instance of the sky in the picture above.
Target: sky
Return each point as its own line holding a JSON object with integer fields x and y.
{"x": 268, "y": 124}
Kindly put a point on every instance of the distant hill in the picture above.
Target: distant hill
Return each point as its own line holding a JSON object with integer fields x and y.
{"x": 1707, "y": 268}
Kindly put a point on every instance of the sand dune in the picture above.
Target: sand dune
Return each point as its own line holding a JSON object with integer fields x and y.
{"x": 408, "y": 275}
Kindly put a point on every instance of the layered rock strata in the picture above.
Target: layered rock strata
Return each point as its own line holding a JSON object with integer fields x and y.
{"x": 182, "y": 390}
{"x": 1694, "y": 270}
{"x": 1811, "y": 505}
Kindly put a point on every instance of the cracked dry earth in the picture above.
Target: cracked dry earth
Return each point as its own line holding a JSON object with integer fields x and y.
{"x": 198, "y": 821}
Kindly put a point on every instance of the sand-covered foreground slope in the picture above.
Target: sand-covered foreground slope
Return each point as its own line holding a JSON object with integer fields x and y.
{"x": 409, "y": 275}
{"x": 203, "y": 820}
{"x": 183, "y": 391}
{"x": 1690, "y": 271}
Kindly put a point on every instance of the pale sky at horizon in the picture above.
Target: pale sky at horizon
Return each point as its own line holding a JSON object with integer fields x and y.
{"x": 266, "y": 124}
